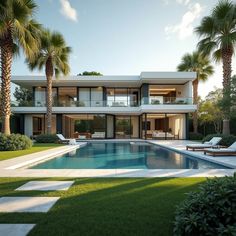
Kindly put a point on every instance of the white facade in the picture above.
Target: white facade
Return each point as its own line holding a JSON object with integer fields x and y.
{"x": 104, "y": 97}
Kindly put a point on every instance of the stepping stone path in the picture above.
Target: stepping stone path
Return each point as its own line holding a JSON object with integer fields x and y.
{"x": 27, "y": 204}
{"x": 46, "y": 185}
{"x": 30, "y": 204}
{"x": 15, "y": 229}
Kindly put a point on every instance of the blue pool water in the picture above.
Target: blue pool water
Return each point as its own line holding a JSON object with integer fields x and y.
{"x": 125, "y": 155}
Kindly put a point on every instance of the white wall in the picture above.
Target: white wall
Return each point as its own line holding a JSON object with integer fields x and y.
{"x": 28, "y": 125}
{"x": 187, "y": 89}
{"x": 177, "y": 124}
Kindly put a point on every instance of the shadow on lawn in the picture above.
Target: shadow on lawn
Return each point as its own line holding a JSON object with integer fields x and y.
{"x": 121, "y": 206}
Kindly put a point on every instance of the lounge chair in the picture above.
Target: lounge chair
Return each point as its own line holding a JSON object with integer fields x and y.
{"x": 231, "y": 150}
{"x": 66, "y": 140}
{"x": 213, "y": 142}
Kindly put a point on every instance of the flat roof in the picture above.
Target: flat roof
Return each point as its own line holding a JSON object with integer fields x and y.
{"x": 109, "y": 80}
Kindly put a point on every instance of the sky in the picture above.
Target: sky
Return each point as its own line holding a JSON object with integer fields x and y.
{"x": 126, "y": 37}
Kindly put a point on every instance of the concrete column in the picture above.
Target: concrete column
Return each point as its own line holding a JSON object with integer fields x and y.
{"x": 28, "y": 129}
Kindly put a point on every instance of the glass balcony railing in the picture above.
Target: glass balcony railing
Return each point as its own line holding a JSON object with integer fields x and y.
{"x": 166, "y": 100}
{"x": 109, "y": 103}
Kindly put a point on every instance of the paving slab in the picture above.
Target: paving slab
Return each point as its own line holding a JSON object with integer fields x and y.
{"x": 15, "y": 229}
{"x": 27, "y": 204}
{"x": 46, "y": 185}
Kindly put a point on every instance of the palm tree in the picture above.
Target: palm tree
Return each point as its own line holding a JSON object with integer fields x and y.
{"x": 201, "y": 65}
{"x": 17, "y": 30}
{"x": 218, "y": 32}
{"x": 53, "y": 56}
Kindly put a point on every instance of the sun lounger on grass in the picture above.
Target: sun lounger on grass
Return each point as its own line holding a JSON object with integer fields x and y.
{"x": 65, "y": 140}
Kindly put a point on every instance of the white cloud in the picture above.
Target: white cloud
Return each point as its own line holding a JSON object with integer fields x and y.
{"x": 184, "y": 29}
{"x": 184, "y": 2}
{"x": 67, "y": 10}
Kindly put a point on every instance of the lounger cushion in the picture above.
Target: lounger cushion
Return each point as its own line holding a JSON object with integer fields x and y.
{"x": 202, "y": 145}
{"x": 220, "y": 150}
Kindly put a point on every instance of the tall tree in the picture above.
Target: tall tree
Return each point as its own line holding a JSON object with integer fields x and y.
{"x": 53, "y": 56}
{"x": 17, "y": 30}
{"x": 23, "y": 96}
{"x": 200, "y": 64}
{"x": 218, "y": 33}
{"x": 210, "y": 111}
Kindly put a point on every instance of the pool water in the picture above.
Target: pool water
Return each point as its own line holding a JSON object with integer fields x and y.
{"x": 125, "y": 155}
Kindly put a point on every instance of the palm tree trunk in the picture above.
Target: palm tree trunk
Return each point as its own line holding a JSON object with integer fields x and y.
{"x": 227, "y": 70}
{"x": 195, "y": 101}
{"x": 49, "y": 75}
{"x": 6, "y": 63}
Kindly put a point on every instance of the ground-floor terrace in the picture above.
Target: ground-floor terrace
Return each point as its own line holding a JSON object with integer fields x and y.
{"x": 106, "y": 126}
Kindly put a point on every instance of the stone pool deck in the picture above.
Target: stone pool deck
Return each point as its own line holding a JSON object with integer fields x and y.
{"x": 18, "y": 167}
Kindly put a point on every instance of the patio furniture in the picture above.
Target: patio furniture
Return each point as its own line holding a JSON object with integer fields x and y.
{"x": 98, "y": 135}
{"x": 62, "y": 139}
{"x": 231, "y": 150}
{"x": 162, "y": 135}
{"x": 201, "y": 146}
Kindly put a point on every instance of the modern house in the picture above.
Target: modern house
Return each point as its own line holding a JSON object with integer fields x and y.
{"x": 153, "y": 105}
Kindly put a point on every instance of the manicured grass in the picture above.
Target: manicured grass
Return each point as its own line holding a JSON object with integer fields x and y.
{"x": 105, "y": 206}
{"x": 37, "y": 147}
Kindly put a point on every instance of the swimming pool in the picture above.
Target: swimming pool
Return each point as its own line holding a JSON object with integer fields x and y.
{"x": 125, "y": 155}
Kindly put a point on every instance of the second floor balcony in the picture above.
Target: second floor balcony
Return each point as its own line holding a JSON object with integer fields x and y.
{"x": 154, "y": 101}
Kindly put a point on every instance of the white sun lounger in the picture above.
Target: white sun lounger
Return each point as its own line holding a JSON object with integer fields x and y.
{"x": 70, "y": 141}
{"x": 213, "y": 142}
{"x": 231, "y": 150}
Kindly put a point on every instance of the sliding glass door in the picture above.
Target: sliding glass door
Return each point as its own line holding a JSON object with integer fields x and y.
{"x": 127, "y": 127}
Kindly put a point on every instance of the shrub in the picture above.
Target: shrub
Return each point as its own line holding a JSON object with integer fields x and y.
{"x": 46, "y": 138}
{"x": 210, "y": 211}
{"x": 14, "y": 142}
{"x": 227, "y": 140}
{"x": 195, "y": 136}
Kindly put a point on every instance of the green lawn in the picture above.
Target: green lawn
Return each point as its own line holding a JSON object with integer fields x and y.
{"x": 105, "y": 206}
{"x": 35, "y": 148}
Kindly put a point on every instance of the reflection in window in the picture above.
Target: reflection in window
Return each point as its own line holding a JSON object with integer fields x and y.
{"x": 40, "y": 97}
{"x": 67, "y": 96}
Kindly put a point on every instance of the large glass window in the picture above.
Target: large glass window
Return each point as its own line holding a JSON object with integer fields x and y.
{"x": 127, "y": 126}
{"x": 40, "y": 97}
{"x": 164, "y": 126}
{"x": 123, "y": 127}
{"x": 161, "y": 94}
{"x": 110, "y": 96}
{"x": 84, "y": 126}
{"x": 39, "y": 124}
{"x": 97, "y": 97}
{"x": 84, "y": 97}
{"x": 122, "y": 97}
{"x": 67, "y": 96}
{"x": 133, "y": 97}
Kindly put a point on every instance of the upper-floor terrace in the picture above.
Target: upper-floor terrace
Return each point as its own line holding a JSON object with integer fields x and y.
{"x": 150, "y": 90}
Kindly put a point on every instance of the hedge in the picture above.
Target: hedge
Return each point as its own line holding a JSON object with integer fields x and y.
{"x": 227, "y": 140}
{"x": 46, "y": 138}
{"x": 14, "y": 142}
{"x": 210, "y": 211}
